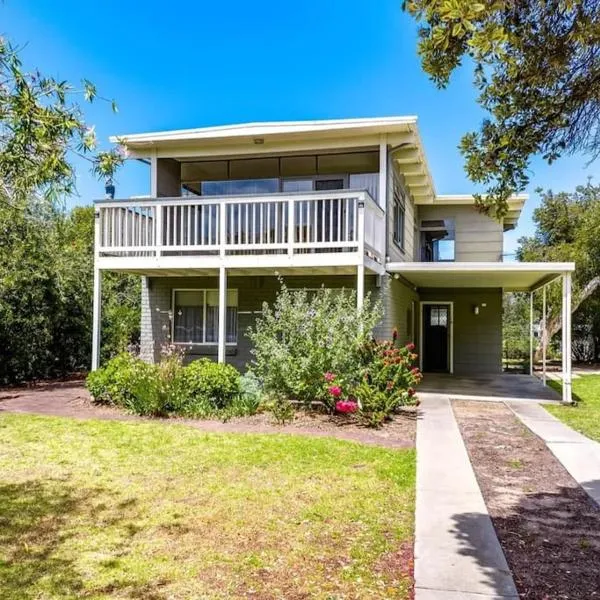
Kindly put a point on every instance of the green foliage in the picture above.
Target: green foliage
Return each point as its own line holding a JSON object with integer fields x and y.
{"x": 568, "y": 229}
{"x": 281, "y": 408}
{"x": 201, "y": 389}
{"x": 208, "y": 383}
{"x": 41, "y": 124}
{"x": 117, "y": 382}
{"x": 536, "y": 69}
{"x": 46, "y": 279}
{"x": 515, "y": 326}
{"x": 306, "y": 334}
{"x": 46, "y": 254}
{"x": 389, "y": 379}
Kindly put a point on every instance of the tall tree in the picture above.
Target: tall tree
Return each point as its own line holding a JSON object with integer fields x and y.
{"x": 41, "y": 125}
{"x": 45, "y": 253}
{"x": 537, "y": 68}
{"x": 567, "y": 229}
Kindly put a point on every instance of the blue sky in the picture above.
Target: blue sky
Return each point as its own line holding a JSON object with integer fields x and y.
{"x": 179, "y": 65}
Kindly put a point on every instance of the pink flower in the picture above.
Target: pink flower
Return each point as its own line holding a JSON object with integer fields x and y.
{"x": 335, "y": 391}
{"x": 410, "y": 346}
{"x": 329, "y": 377}
{"x": 346, "y": 406}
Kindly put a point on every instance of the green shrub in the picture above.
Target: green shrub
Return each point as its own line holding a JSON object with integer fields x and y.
{"x": 209, "y": 384}
{"x": 113, "y": 383}
{"x": 129, "y": 382}
{"x": 389, "y": 380}
{"x": 281, "y": 408}
{"x": 203, "y": 389}
{"x": 304, "y": 335}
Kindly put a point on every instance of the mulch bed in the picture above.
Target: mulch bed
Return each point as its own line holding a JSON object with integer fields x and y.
{"x": 547, "y": 525}
{"x": 71, "y": 399}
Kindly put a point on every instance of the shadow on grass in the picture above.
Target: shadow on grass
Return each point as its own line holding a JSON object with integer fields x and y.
{"x": 38, "y": 550}
{"x": 551, "y": 542}
{"x": 557, "y": 387}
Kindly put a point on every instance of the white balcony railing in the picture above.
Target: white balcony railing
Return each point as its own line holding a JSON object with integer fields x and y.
{"x": 340, "y": 221}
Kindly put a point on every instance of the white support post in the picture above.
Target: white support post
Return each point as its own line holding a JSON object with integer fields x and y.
{"x": 566, "y": 339}
{"x": 383, "y": 172}
{"x": 222, "y": 228}
{"x": 158, "y": 228}
{"x": 360, "y": 269}
{"x": 97, "y": 295}
{"x": 291, "y": 226}
{"x": 531, "y": 333}
{"x": 222, "y": 313}
{"x": 544, "y": 339}
{"x": 96, "y": 318}
{"x": 153, "y": 175}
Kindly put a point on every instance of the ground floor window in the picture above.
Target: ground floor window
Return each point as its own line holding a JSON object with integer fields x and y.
{"x": 196, "y": 316}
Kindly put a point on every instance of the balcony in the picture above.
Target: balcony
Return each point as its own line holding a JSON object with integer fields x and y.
{"x": 341, "y": 228}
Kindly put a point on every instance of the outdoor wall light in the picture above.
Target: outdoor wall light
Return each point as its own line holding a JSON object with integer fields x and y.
{"x": 476, "y": 309}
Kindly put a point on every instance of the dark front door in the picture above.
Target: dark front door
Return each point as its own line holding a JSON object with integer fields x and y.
{"x": 436, "y": 324}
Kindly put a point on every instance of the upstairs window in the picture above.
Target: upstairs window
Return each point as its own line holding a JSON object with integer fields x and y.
{"x": 196, "y": 317}
{"x": 399, "y": 217}
{"x": 437, "y": 240}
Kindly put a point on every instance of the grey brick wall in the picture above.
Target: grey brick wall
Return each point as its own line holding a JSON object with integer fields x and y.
{"x": 477, "y": 338}
{"x": 252, "y": 292}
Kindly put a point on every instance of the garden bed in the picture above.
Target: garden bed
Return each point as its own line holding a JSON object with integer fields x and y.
{"x": 548, "y": 527}
{"x": 71, "y": 399}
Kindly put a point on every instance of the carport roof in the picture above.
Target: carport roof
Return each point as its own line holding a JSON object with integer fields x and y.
{"x": 512, "y": 277}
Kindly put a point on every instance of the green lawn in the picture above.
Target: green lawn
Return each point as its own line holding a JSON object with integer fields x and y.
{"x": 96, "y": 509}
{"x": 585, "y": 415}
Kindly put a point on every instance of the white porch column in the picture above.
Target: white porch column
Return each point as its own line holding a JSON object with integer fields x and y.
{"x": 566, "y": 339}
{"x": 544, "y": 340}
{"x": 531, "y": 333}
{"x": 360, "y": 267}
{"x": 383, "y": 172}
{"x": 222, "y": 313}
{"x": 96, "y": 318}
{"x": 153, "y": 174}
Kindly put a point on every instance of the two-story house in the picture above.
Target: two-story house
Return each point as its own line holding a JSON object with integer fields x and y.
{"x": 341, "y": 203}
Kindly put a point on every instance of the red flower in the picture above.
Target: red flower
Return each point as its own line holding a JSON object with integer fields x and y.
{"x": 346, "y": 406}
{"x": 329, "y": 377}
{"x": 389, "y": 386}
{"x": 335, "y": 391}
{"x": 415, "y": 370}
{"x": 395, "y": 333}
{"x": 411, "y": 391}
{"x": 410, "y": 346}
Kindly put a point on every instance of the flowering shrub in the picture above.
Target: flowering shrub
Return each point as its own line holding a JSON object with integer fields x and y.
{"x": 305, "y": 340}
{"x": 346, "y": 406}
{"x": 389, "y": 379}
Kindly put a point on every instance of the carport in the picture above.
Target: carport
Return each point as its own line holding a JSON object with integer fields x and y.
{"x": 509, "y": 277}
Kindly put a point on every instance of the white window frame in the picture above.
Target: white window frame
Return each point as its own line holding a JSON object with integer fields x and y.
{"x": 423, "y": 303}
{"x": 204, "y": 343}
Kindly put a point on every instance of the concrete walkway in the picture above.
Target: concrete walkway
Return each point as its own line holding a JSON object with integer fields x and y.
{"x": 579, "y": 455}
{"x": 457, "y": 553}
